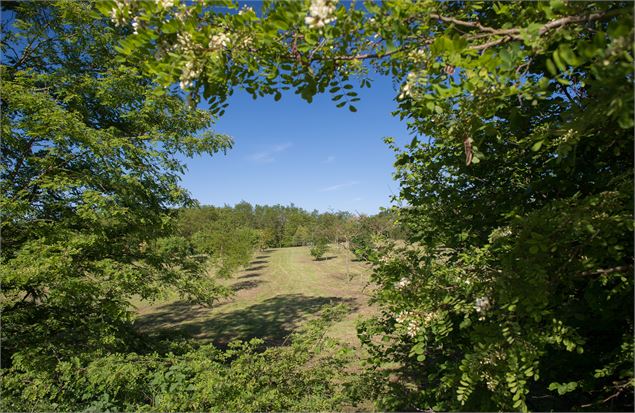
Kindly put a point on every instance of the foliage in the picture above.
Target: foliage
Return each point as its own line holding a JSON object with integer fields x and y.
{"x": 319, "y": 248}
{"x": 308, "y": 374}
{"x": 301, "y": 236}
{"x": 277, "y": 225}
{"x": 522, "y": 181}
{"x": 89, "y": 176}
{"x": 368, "y": 230}
{"x": 514, "y": 289}
{"x": 228, "y": 248}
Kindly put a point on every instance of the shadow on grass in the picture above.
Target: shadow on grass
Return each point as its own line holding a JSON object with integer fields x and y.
{"x": 332, "y": 257}
{"x": 246, "y": 285}
{"x": 272, "y": 320}
{"x": 258, "y": 262}
{"x": 251, "y": 275}
{"x": 256, "y": 268}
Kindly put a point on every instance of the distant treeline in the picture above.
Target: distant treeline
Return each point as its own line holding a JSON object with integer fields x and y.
{"x": 229, "y": 234}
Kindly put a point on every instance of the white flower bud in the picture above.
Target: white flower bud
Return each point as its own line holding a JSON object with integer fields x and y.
{"x": 321, "y": 13}
{"x": 219, "y": 41}
{"x": 244, "y": 10}
{"x": 404, "y": 282}
{"x": 165, "y": 4}
{"x": 482, "y": 305}
{"x": 135, "y": 25}
{"x": 403, "y": 316}
{"x": 413, "y": 327}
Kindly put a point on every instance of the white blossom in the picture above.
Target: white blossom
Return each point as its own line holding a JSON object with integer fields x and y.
{"x": 499, "y": 233}
{"x": 417, "y": 54}
{"x": 120, "y": 13}
{"x": 482, "y": 305}
{"x": 413, "y": 327}
{"x": 185, "y": 41}
{"x": 429, "y": 317}
{"x": 114, "y": 15}
{"x": 219, "y": 41}
{"x": 189, "y": 74}
{"x": 247, "y": 42}
{"x": 165, "y": 4}
{"x": 403, "y": 316}
{"x": 245, "y": 9}
{"x": 404, "y": 282}
{"x": 321, "y": 13}
{"x": 182, "y": 14}
{"x": 135, "y": 25}
{"x": 406, "y": 89}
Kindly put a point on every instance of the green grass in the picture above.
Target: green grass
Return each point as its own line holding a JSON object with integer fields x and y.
{"x": 281, "y": 289}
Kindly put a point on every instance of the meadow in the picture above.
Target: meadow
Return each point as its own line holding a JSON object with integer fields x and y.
{"x": 280, "y": 289}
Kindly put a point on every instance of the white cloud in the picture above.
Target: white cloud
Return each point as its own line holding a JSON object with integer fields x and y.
{"x": 268, "y": 155}
{"x": 284, "y": 146}
{"x": 264, "y": 157}
{"x": 339, "y": 186}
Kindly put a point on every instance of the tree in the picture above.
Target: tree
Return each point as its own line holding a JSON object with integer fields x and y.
{"x": 319, "y": 249}
{"x": 227, "y": 249}
{"x": 301, "y": 236}
{"x": 89, "y": 178}
{"x": 520, "y": 179}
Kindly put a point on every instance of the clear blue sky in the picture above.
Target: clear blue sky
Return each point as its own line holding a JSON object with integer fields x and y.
{"x": 313, "y": 155}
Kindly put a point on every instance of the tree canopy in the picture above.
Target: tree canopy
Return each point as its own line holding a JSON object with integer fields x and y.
{"x": 89, "y": 181}
{"x": 519, "y": 177}
{"x": 514, "y": 289}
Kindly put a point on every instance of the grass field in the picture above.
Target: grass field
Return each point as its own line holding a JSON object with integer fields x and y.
{"x": 280, "y": 290}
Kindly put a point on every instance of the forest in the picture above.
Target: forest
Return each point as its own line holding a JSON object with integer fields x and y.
{"x": 229, "y": 235}
{"x": 498, "y": 278}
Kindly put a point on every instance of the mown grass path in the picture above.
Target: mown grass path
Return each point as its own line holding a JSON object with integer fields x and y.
{"x": 280, "y": 290}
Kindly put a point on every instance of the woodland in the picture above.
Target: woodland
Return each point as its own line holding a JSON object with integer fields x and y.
{"x": 502, "y": 274}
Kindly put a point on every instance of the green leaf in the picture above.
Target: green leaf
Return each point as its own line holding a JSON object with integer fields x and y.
{"x": 551, "y": 67}
{"x": 563, "y": 388}
{"x": 536, "y": 146}
{"x": 556, "y": 58}
{"x": 556, "y": 4}
{"x": 568, "y": 55}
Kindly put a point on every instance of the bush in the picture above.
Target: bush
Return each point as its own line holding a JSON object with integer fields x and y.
{"x": 319, "y": 249}
{"x": 307, "y": 375}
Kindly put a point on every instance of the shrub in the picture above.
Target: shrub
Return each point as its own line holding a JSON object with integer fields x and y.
{"x": 319, "y": 249}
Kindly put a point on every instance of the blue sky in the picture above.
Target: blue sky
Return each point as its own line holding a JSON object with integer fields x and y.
{"x": 313, "y": 155}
